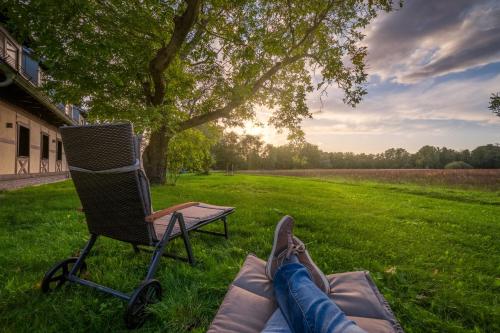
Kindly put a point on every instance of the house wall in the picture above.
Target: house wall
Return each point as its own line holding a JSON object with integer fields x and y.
{"x": 8, "y": 140}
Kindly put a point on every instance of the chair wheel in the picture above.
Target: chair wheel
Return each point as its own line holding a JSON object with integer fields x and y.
{"x": 149, "y": 292}
{"x": 58, "y": 274}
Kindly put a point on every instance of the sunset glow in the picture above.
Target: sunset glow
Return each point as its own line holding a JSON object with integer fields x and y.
{"x": 432, "y": 67}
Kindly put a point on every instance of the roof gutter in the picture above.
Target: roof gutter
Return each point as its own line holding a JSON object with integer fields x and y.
{"x": 8, "y": 80}
{"x": 14, "y": 77}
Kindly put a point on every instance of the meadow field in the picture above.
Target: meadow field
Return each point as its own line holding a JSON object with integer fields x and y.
{"x": 464, "y": 178}
{"x": 433, "y": 251}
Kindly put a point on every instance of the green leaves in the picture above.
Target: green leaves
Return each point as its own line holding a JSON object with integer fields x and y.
{"x": 237, "y": 55}
{"x": 190, "y": 151}
{"x": 495, "y": 103}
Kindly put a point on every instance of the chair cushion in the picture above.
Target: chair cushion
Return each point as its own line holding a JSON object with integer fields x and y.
{"x": 249, "y": 303}
{"x": 193, "y": 216}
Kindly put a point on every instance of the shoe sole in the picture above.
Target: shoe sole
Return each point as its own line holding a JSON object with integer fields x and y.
{"x": 326, "y": 283}
{"x": 285, "y": 219}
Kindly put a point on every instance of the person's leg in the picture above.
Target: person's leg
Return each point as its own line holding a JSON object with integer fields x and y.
{"x": 305, "y": 307}
{"x": 301, "y": 288}
{"x": 283, "y": 235}
{"x": 277, "y": 323}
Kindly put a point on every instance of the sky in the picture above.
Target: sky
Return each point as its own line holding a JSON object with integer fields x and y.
{"x": 432, "y": 67}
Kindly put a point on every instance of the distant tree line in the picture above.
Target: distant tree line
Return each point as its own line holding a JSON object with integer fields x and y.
{"x": 244, "y": 152}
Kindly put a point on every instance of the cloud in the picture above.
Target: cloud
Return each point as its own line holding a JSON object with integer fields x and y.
{"x": 449, "y": 113}
{"x": 428, "y": 39}
{"x": 423, "y": 107}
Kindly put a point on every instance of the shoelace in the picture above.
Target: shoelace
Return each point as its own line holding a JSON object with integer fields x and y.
{"x": 295, "y": 249}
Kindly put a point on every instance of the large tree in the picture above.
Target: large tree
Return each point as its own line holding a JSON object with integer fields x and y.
{"x": 171, "y": 65}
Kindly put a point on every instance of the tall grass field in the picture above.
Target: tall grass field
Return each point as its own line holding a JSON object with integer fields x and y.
{"x": 433, "y": 251}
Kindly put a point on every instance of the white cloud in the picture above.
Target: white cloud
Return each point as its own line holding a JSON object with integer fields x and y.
{"x": 460, "y": 101}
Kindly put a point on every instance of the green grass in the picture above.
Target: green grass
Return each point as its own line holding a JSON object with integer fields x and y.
{"x": 434, "y": 252}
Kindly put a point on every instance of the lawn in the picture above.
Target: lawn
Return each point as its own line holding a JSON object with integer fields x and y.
{"x": 434, "y": 252}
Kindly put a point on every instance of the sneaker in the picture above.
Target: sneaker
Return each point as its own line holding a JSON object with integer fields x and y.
{"x": 305, "y": 259}
{"x": 283, "y": 240}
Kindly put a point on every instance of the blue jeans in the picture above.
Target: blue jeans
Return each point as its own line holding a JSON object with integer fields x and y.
{"x": 303, "y": 307}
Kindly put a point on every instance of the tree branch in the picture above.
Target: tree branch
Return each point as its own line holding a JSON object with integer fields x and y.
{"x": 195, "y": 40}
{"x": 313, "y": 27}
{"x": 289, "y": 19}
{"x": 165, "y": 55}
{"x": 238, "y": 100}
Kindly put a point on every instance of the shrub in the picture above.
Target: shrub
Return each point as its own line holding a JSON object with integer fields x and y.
{"x": 458, "y": 165}
{"x": 190, "y": 151}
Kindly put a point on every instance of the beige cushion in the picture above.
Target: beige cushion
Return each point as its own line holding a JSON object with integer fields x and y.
{"x": 193, "y": 216}
{"x": 249, "y": 303}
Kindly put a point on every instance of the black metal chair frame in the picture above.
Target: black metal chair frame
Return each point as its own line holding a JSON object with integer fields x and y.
{"x": 185, "y": 236}
{"x": 158, "y": 252}
{"x": 148, "y": 283}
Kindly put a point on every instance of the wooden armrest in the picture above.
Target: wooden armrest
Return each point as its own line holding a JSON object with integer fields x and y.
{"x": 170, "y": 210}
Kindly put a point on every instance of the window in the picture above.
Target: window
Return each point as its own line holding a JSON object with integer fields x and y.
{"x": 30, "y": 67}
{"x": 76, "y": 114}
{"x": 23, "y": 141}
{"x": 59, "y": 150}
{"x": 45, "y": 146}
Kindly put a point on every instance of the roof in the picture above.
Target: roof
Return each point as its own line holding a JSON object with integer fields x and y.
{"x": 24, "y": 94}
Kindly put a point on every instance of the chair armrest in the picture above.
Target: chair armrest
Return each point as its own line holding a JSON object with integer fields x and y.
{"x": 170, "y": 210}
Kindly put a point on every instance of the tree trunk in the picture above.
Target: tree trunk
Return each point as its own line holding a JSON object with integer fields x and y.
{"x": 155, "y": 156}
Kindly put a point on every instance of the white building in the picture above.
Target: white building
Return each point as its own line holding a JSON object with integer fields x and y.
{"x": 30, "y": 142}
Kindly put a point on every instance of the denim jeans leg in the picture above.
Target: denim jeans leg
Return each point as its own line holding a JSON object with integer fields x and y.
{"x": 305, "y": 307}
{"x": 277, "y": 323}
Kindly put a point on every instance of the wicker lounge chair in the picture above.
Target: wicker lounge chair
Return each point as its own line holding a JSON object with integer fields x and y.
{"x": 104, "y": 161}
{"x": 249, "y": 303}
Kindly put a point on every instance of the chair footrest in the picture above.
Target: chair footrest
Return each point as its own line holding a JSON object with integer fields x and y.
{"x": 194, "y": 218}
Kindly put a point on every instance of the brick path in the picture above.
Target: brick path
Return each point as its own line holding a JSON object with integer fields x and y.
{"x": 19, "y": 183}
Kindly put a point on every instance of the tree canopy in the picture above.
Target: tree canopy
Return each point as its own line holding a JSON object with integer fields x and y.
{"x": 191, "y": 151}
{"x": 172, "y": 65}
{"x": 495, "y": 103}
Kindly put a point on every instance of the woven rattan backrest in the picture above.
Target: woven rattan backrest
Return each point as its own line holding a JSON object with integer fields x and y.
{"x": 114, "y": 192}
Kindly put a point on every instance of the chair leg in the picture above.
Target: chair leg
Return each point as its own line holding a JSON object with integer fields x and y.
{"x": 159, "y": 250}
{"x": 81, "y": 259}
{"x": 160, "y": 247}
{"x": 226, "y": 235}
{"x": 155, "y": 260}
{"x": 185, "y": 238}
